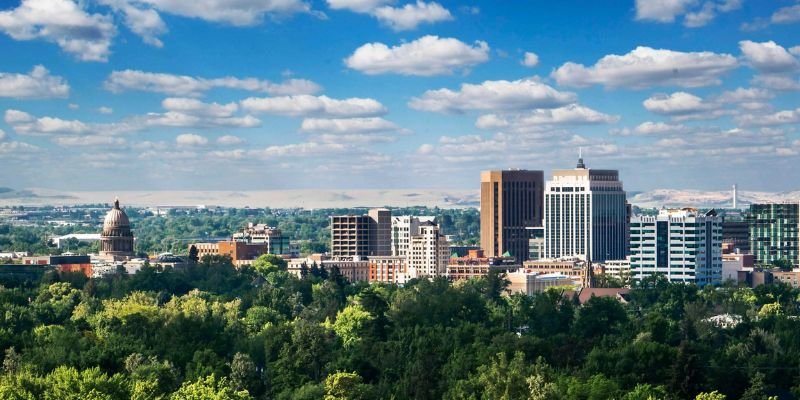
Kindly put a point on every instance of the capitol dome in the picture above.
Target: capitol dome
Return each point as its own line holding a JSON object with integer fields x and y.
{"x": 116, "y": 240}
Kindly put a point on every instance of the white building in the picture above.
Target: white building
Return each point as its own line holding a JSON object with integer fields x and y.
{"x": 60, "y": 241}
{"x": 276, "y": 242}
{"x": 620, "y": 269}
{"x": 403, "y": 228}
{"x": 429, "y": 252}
{"x": 683, "y": 245}
{"x": 585, "y": 213}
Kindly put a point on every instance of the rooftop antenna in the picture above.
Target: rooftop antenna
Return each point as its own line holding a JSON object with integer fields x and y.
{"x": 581, "y": 165}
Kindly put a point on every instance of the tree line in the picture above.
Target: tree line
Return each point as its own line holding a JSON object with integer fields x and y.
{"x": 216, "y": 332}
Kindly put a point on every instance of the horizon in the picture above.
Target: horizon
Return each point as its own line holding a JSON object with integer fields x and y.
{"x": 353, "y": 94}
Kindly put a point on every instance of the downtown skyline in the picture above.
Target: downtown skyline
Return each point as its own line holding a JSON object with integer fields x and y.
{"x": 356, "y": 94}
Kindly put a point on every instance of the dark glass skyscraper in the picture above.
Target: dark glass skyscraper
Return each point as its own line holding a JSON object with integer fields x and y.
{"x": 774, "y": 232}
{"x": 511, "y": 202}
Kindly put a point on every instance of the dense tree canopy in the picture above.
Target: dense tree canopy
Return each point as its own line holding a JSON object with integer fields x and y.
{"x": 215, "y": 332}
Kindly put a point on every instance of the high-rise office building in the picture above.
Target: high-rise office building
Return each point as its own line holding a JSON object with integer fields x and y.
{"x": 683, "y": 245}
{"x": 403, "y": 228}
{"x": 361, "y": 235}
{"x": 429, "y": 252}
{"x": 585, "y": 214}
{"x": 774, "y": 232}
{"x": 511, "y": 202}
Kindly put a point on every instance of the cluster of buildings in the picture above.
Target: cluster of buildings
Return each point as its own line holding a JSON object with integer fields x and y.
{"x": 564, "y": 231}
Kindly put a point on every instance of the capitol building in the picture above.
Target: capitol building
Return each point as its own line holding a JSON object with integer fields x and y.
{"x": 116, "y": 239}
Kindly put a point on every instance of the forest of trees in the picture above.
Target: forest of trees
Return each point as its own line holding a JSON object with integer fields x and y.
{"x": 214, "y": 332}
{"x": 172, "y": 233}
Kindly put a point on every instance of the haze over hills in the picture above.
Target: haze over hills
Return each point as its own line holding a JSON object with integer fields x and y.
{"x": 330, "y": 198}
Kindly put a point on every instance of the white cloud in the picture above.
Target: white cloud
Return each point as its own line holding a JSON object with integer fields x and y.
{"x": 105, "y": 110}
{"x": 189, "y": 120}
{"x": 142, "y": 21}
{"x": 199, "y": 108}
{"x": 229, "y": 140}
{"x": 302, "y": 149}
{"x": 17, "y": 148}
{"x": 665, "y": 11}
{"x": 88, "y": 141}
{"x": 426, "y": 56}
{"x": 741, "y": 95}
{"x": 190, "y": 140}
{"x": 184, "y": 85}
{"x": 347, "y": 125}
{"x": 73, "y": 106}
{"x": 360, "y": 6}
{"x": 86, "y": 36}
{"x": 530, "y": 59}
{"x": 2, "y": 135}
{"x": 493, "y": 95}
{"x": 306, "y": 105}
{"x": 678, "y": 103}
{"x": 701, "y": 17}
{"x": 239, "y": 12}
{"x": 795, "y": 50}
{"x": 777, "y": 82}
{"x": 411, "y": 15}
{"x": 572, "y": 114}
{"x": 786, "y": 15}
{"x": 778, "y": 118}
{"x": 661, "y": 10}
{"x": 658, "y": 128}
{"x": 768, "y": 57}
{"x": 646, "y": 67}
{"x": 38, "y": 84}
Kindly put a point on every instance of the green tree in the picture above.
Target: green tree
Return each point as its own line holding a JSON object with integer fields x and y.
{"x": 209, "y": 388}
{"x": 346, "y": 386}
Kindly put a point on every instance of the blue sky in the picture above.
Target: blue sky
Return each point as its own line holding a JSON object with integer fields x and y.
{"x": 272, "y": 94}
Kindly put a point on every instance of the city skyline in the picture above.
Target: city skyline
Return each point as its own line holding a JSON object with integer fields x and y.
{"x": 358, "y": 94}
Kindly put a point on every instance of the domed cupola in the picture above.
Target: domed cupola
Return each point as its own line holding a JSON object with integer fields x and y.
{"x": 116, "y": 239}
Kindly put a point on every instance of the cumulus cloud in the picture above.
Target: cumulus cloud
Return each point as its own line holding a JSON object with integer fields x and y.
{"x": 646, "y": 67}
{"x": 197, "y": 107}
{"x": 666, "y": 11}
{"x": 777, "y": 82}
{"x": 238, "y": 13}
{"x": 190, "y": 140}
{"x": 86, "y": 36}
{"x": 229, "y": 140}
{"x": 786, "y": 15}
{"x": 530, "y": 59}
{"x": 768, "y": 57}
{"x": 306, "y": 105}
{"x": 348, "y": 125}
{"x": 410, "y": 15}
{"x": 105, "y": 110}
{"x": 2, "y": 135}
{"x": 652, "y": 128}
{"x": 402, "y": 18}
{"x": 742, "y": 95}
{"x": 360, "y": 6}
{"x": 493, "y": 95}
{"x": 88, "y": 141}
{"x": 661, "y": 10}
{"x": 184, "y": 85}
{"x": 426, "y": 56}
{"x": 676, "y": 104}
{"x": 572, "y": 114}
{"x": 38, "y": 84}
{"x": 146, "y": 23}
{"x": 779, "y": 118}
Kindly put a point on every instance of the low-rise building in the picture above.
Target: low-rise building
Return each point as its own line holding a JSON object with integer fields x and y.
{"x": 733, "y": 263}
{"x": 241, "y": 253}
{"x": 273, "y": 238}
{"x": 354, "y": 269}
{"x": 619, "y": 269}
{"x": 475, "y": 265}
{"x": 529, "y": 284}
{"x": 389, "y": 269}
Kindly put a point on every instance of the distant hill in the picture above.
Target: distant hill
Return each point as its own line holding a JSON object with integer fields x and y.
{"x": 700, "y": 198}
